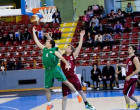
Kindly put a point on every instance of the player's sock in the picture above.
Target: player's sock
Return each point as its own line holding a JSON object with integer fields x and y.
{"x": 86, "y": 102}
{"x": 49, "y": 103}
{"x": 76, "y": 93}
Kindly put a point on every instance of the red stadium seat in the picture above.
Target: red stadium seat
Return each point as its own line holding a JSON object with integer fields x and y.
{"x": 4, "y": 49}
{"x": 136, "y": 19}
{"x": 21, "y": 48}
{"x": 85, "y": 63}
{"x": 26, "y": 54}
{"x": 39, "y": 66}
{"x": 16, "y": 43}
{"x": 39, "y": 59}
{"x": 114, "y": 55}
{"x": 9, "y": 55}
{"x": 32, "y": 59}
{"x": 124, "y": 48}
{"x": 2, "y": 55}
{"x": 75, "y": 39}
{"x": 81, "y": 51}
{"x": 74, "y": 44}
{"x": 127, "y": 25}
{"x": 93, "y": 62}
{"x": 97, "y": 49}
{"x": 113, "y": 61}
{"x": 95, "y": 56}
{"x": 106, "y": 49}
{"x": 125, "y": 42}
{"x": 35, "y": 54}
{"x": 135, "y": 35}
{"x": 126, "y": 36}
{"x": 123, "y": 54}
{"x": 135, "y": 29}
{"x": 86, "y": 57}
{"x": 104, "y": 21}
{"x": 29, "y": 66}
{"x": 48, "y": 25}
{"x": 31, "y": 42}
{"x": 24, "y": 42}
{"x": 29, "y": 48}
{"x": 56, "y": 25}
{"x": 104, "y": 55}
{"x": 8, "y": 43}
{"x": 18, "y": 55}
{"x": 1, "y": 44}
{"x": 13, "y": 49}
{"x": 79, "y": 57}
{"x": 23, "y": 60}
{"x": 123, "y": 60}
{"x": 103, "y": 62}
{"x": 115, "y": 48}
{"x": 128, "y": 19}
{"x": 77, "y": 63}
{"x": 117, "y": 36}
{"x": 88, "y": 50}
{"x": 134, "y": 41}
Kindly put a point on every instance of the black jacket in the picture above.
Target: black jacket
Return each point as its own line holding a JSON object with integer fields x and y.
{"x": 108, "y": 72}
{"x": 97, "y": 73}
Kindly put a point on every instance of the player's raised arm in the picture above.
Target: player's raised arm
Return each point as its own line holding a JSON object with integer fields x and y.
{"x": 62, "y": 58}
{"x": 36, "y": 39}
{"x": 76, "y": 53}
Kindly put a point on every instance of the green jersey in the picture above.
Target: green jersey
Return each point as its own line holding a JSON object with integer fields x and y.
{"x": 50, "y": 60}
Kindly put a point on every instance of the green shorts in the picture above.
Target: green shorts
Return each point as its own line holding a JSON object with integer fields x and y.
{"x": 53, "y": 73}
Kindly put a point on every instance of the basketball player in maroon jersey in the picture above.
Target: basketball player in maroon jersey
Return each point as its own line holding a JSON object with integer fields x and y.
{"x": 132, "y": 68}
{"x": 70, "y": 55}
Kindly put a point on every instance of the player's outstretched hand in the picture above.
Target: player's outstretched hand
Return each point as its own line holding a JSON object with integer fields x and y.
{"x": 34, "y": 30}
{"x": 82, "y": 33}
{"x": 67, "y": 66}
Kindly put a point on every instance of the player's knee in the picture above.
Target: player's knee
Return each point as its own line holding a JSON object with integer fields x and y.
{"x": 64, "y": 98}
{"x": 47, "y": 90}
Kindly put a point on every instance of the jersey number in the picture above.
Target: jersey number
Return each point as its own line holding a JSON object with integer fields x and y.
{"x": 47, "y": 55}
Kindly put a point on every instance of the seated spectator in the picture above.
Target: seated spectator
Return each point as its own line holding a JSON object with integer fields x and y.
{"x": 19, "y": 36}
{"x": 18, "y": 64}
{"x": 56, "y": 17}
{"x": 107, "y": 40}
{"x": 89, "y": 40}
{"x": 120, "y": 16}
{"x": 5, "y": 37}
{"x": 11, "y": 64}
{"x": 101, "y": 28}
{"x": 93, "y": 29}
{"x": 118, "y": 27}
{"x": 129, "y": 10}
{"x": 118, "y": 76}
{"x": 112, "y": 16}
{"x": 90, "y": 12}
{"x": 109, "y": 28}
{"x": 98, "y": 40}
{"x": 27, "y": 34}
{"x": 108, "y": 73}
{"x": 96, "y": 76}
{"x": 101, "y": 12}
{"x": 57, "y": 34}
{"x": 2, "y": 68}
{"x": 95, "y": 9}
{"x": 1, "y": 38}
{"x": 95, "y": 20}
{"x": 86, "y": 19}
{"x": 11, "y": 37}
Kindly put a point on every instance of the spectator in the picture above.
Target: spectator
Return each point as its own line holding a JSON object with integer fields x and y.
{"x": 139, "y": 24}
{"x": 11, "y": 64}
{"x": 108, "y": 74}
{"x": 90, "y": 12}
{"x": 93, "y": 29}
{"x": 101, "y": 28}
{"x": 56, "y": 17}
{"x": 2, "y": 68}
{"x": 101, "y": 12}
{"x": 95, "y": 20}
{"x": 5, "y": 37}
{"x": 120, "y": 16}
{"x": 19, "y": 36}
{"x": 27, "y": 34}
{"x": 96, "y": 76}
{"x": 129, "y": 10}
{"x": 118, "y": 27}
{"x": 95, "y": 9}
{"x": 11, "y": 37}
{"x": 57, "y": 34}
{"x": 1, "y": 38}
{"x": 86, "y": 18}
{"x": 107, "y": 40}
{"x": 98, "y": 40}
{"x": 89, "y": 40}
{"x": 112, "y": 16}
{"x": 18, "y": 64}
{"x": 109, "y": 28}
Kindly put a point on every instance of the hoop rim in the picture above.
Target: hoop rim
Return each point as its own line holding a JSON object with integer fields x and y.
{"x": 36, "y": 10}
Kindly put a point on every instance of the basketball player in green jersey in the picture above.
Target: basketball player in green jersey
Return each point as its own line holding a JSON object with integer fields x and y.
{"x": 50, "y": 60}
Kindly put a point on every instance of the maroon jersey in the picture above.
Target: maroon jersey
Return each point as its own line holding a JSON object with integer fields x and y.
{"x": 130, "y": 67}
{"x": 71, "y": 72}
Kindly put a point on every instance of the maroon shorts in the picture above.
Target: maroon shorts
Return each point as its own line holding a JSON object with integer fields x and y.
{"x": 129, "y": 87}
{"x": 75, "y": 82}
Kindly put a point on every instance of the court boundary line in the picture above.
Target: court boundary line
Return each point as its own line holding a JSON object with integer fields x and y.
{"x": 9, "y": 107}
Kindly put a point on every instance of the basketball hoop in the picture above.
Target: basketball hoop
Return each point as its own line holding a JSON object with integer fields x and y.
{"x": 46, "y": 12}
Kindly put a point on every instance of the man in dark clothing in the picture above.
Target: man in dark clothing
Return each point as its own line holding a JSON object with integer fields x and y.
{"x": 11, "y": 64}
{"x": 108, "y": 74}
{"x": 27, "y": 34}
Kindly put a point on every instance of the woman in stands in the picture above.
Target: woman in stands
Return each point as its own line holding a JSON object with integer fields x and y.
{"x": 132, "y": 68}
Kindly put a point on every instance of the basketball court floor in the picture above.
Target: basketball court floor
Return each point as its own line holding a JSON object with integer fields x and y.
{"x": 36, "y": 100}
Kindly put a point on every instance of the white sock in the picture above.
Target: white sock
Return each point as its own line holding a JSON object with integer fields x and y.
{"x": 49, "y": 103}
{"x": 138, "y": 102}
{"x": 76, "y": 93}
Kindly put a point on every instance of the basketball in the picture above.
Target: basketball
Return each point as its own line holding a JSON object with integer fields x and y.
{"x": 34, "y": 19}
